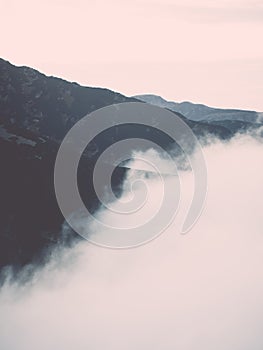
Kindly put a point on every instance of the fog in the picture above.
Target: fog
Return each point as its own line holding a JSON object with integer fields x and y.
{"x": 202, "y": 290}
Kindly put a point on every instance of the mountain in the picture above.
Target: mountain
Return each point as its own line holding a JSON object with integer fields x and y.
{"x": 51, "y": 106}
{"x": 36, "y": 112}
{"x": 47, "y": 105}
{"x": 233, "y": 119}
{"x": 30, "y": 219}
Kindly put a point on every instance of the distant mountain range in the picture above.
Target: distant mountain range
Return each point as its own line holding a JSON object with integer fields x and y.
{"x": 36, "y": 112}
{"x": 233, "y": 119}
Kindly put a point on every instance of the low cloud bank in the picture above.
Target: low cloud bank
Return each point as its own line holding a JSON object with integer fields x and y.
{"x": 202, "y": 290}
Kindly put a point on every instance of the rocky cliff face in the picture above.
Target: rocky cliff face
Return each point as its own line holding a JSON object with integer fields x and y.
{"x": 35, "y": 114}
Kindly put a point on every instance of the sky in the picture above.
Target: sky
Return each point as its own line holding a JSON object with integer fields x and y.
{"x": 202, "y": 51}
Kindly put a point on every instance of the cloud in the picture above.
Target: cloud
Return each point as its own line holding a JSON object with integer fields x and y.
{"x": 198, "y": 291}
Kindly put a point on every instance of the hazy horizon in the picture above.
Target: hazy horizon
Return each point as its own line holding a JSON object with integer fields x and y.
{"x": 203, "y": 52}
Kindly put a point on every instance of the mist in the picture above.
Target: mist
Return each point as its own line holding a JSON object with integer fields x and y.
{"x": 202, "y": 290}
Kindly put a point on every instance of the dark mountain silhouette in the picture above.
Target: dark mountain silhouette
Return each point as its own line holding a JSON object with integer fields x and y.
{"x": 36, "y": 112}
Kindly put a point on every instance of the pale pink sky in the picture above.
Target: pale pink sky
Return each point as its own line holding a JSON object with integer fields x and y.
{"x": 203, "y": 51}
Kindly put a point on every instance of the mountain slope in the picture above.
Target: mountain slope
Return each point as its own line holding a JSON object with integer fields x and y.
{"x": 51, "y": 106}
{"x": 47, "y": 105}
{"x": 35, "y": 114}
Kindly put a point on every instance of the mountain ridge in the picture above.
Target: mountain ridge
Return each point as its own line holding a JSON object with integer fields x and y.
{"x": 201, "y": 112}
{"x": 36, "y": 112}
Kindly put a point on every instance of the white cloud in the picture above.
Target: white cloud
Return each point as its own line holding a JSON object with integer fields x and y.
{"x": 199, "y": 291}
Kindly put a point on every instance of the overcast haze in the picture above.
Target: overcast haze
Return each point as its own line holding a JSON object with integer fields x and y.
{"x": 202, "y": 51}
